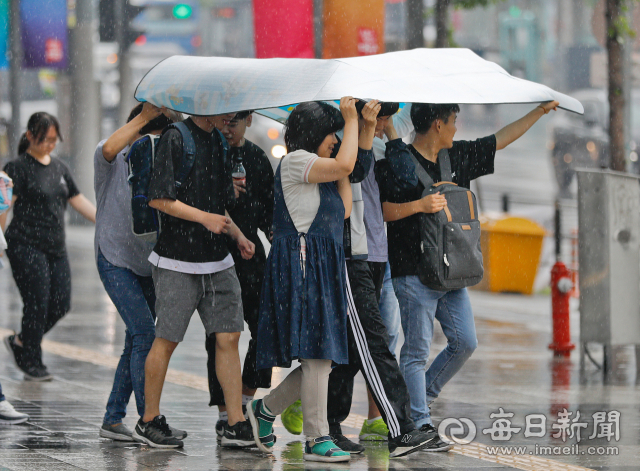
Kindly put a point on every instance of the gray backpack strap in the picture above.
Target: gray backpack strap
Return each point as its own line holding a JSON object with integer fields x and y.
{"x": 421, "y": 173}
{"x": 445, "y": 169}
{"x": 445, "y": 165}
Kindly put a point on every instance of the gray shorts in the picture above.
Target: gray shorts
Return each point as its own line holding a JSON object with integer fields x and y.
{"x": 216, "y": 296}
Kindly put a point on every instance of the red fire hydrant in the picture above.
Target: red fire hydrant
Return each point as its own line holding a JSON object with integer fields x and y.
{"x": 561, "y": 286}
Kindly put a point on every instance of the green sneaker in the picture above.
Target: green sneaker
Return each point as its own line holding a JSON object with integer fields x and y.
{"x": 292, "y": 418}
{"x": 374, "y": 432}
{"x": 323, "y": 449}
{"x": 262, "y": 425}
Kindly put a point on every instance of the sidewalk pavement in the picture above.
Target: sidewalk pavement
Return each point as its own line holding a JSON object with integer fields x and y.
{"x": 512, "y": 374}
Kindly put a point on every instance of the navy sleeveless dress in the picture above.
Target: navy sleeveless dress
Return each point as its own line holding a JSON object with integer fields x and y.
{"x": 303, "y": 313}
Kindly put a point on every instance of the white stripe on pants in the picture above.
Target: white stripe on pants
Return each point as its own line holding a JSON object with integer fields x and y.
{"x": 368, "y": 366}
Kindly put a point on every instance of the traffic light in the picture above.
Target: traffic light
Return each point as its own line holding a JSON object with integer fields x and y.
{"x": 131, "y": 33}
{"x": 109, "y": 24}
{"x": 182, "y": 11}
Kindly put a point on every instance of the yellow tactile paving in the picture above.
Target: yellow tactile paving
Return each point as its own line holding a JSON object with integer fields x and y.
{"x": 472, "y": 450}
{"x": 90, "y": 356}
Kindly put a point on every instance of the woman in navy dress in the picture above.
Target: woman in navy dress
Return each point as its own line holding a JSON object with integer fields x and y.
{"x": 303, "y": 310}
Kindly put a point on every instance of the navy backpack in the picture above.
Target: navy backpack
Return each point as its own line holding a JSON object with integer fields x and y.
{"x": 145, "y": 220}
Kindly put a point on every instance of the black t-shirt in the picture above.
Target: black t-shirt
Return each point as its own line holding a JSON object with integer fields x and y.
{"x": 253, "y": 209}
{"x": 469, "y": 160}
{"x": 206, "y": 188}
{"x": 42, "y": 193}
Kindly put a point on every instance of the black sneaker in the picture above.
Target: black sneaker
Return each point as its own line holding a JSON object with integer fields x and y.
{"x": 156, "y": 433}
{"x": 220, "y": 424}
{"x": 410, "y": 442}
{"x": 37, "y": 373}
{"x": 237, "y": 436}
{"x": 179, "y": 434}
{"x": 438, "y": 444}
{"x": 14, "y": 350}
{"x": 345, "y": 444}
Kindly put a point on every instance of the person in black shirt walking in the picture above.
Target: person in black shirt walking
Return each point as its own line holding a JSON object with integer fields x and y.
{"x": 435, "y": 127}
{"x": 192, "y": 269}
{"x": 42, "y": 187}
{"x": 253, "y": 210}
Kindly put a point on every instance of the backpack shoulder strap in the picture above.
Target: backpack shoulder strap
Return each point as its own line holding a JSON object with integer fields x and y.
{"x": 421, "y": 173}
{"x": 230, "y": 199}
{"x": 225, "y": 144}
{"x": 445, "y": 165}
{"x": 188, "y": 152}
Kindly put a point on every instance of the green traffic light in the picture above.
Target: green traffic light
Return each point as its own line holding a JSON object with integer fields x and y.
{"x": 182, "y": 11}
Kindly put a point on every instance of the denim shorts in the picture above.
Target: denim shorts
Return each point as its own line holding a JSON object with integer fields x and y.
{"x": 216, "y": 296}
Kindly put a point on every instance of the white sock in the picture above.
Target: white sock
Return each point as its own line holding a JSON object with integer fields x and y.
{"x": 222, "y": 415}
{"x": 370, "y": 421}
{"x": 246, "y": 399}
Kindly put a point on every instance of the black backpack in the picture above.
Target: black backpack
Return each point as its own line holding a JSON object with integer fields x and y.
{"x": 450, "y": 254}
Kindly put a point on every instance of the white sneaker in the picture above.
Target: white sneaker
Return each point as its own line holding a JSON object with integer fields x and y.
{"x": 8, "y": 415}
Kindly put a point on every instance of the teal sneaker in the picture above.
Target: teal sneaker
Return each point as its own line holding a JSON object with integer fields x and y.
{"x": 292, "y": 418}
{"x": 262, "y": 425}
{"x": 323, "y": 449}
{"x": 374, "y": 432}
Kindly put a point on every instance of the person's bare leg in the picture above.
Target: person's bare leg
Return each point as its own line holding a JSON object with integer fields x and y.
{"x": 374, "y": 413}
{"x": 155, "y": 370}
{"x": 246, "y": 391}
{"x": 228, "y": 373}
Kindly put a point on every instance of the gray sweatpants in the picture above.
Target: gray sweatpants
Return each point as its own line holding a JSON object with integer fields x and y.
{"x": 310, "y": 383}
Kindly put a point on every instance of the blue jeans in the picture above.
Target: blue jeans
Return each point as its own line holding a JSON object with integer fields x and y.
{"x": 419, "y": 306}
{"x": 389, "y": 310}
{"x": 134, "y": 298}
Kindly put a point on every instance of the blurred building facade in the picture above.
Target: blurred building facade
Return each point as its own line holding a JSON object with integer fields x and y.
{"x": 550, "y": 41}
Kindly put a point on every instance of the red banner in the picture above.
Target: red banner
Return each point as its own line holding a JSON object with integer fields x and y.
{"x": 283, "y": 28}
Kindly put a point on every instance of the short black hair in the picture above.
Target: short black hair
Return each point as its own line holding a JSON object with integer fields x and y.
{"x": 309, "y": 124}
{"x": 241, "y": 115}
{"x": 156, "y": 124}
{"x": 387, "y": 108}
{"x": 423, "y": 115}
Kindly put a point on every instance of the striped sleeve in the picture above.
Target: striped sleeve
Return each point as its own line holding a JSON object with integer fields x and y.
{"x": 297, "y": 166}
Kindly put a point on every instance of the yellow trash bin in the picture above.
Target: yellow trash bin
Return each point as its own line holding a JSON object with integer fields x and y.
{"x": 511, "y": 248}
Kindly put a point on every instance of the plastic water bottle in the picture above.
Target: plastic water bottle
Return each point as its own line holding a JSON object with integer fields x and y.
{"x": 239, "y": 174}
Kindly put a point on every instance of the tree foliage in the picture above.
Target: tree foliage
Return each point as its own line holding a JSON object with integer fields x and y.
{"x": 621, "y": 27}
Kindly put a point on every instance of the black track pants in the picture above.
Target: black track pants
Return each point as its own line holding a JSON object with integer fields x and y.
{"x": 369, "y": 352}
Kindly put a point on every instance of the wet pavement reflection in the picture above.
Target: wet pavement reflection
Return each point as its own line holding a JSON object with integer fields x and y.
{"x": 512, "y": 390}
